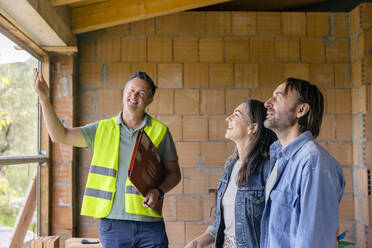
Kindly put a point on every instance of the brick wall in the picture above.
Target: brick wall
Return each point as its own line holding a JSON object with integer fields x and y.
{"x": 361, "y": 59}
{"x": 205, "y": 63}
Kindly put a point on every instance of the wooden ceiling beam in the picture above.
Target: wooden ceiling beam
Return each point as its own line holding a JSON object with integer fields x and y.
{"x": 115, "y": 12}
{"x": 74, "y": 2}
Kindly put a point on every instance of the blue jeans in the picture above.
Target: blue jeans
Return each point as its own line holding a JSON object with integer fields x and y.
{"x": 132, "y": 234}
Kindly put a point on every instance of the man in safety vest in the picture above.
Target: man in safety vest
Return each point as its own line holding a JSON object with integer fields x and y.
{"x": 126, "y": 218}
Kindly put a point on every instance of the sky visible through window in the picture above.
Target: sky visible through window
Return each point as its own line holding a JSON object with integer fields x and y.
{"x": 8, "y": 53}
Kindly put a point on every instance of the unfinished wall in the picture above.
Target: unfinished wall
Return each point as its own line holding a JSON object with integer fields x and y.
{"x": 361, "y": 58}
{"x": 205, "y": 63}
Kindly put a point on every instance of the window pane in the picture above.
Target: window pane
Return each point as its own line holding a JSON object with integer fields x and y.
{"x": 18, "y": 101}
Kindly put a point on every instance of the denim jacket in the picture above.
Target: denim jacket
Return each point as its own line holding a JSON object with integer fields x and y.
{"x": 249, "y": 205}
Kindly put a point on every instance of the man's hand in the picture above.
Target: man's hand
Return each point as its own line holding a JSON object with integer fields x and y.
{"x": 41, "y": 87}
{"x": 151, "y": 198}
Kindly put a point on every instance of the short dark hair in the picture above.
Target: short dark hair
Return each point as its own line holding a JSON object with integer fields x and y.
{"x": 310, "y": 94}
{"x": 143, "y": 75}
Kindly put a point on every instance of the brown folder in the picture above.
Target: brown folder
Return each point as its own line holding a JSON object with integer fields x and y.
{"x": 145, "y": 170}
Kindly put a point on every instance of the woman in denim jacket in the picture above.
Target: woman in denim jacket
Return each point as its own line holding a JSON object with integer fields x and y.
{"x": 241, "y": 190}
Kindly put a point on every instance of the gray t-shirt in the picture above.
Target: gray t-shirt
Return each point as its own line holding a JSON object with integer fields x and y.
{"x": 128, "y": 136}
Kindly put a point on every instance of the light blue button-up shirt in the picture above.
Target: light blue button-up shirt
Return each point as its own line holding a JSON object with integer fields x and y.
{"x": 303, "y": 205}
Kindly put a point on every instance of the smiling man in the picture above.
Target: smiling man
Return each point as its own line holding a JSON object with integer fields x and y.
{"x": 306, "y": 184}
{"x": 126, "y": 219}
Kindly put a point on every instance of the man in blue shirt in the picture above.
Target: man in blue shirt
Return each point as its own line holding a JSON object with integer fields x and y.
{"x": 306, "y": 184}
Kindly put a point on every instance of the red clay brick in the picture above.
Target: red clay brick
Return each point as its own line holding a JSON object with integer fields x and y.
{"x": 144, "y": 27}
{"x": 193, "y": 23}
{"x": 168, "y": 25}
{"x": 343, "y": 127}
{"x": 327, "y": 130}
{"x": 271, "y": 75}
{"x": 62, "y": 217}
{"x": 338, "y": 51}
{"x": 118, "y": 75}
{"x": 176, "y": 234}
{"x": 159, "y": 49}
{"x": 187, "y": 101}
{"x": 212, "y": 102}
{"x": 194, "y": 229}
{"x": 262, "y": 94}
{"x": 63, "y": 106}
{"x": 322, "y": 75}
{"x": 169, "y": 208}
{"x": 341, "y": 24}
{"x": 342, "y": 152}
{"x": 243, "y": 23}
{"x": 221, "y": 76}
{"x": 108, "y": 49}
{"x": 312, "y": 50}
{"x": 342, "y": 76}
{"x": 317, "y": 23}
{"x": 62, "y": 172}
{"x": 347, "y": 207}
{"x": 133, "y": 49}
{"x": 349, "y": 180}
{"x": 287, "y": 49}
{"x": 195, "y": 76}
{"x": 213, "y": 154}
{"x": 218, "y": 23}
{"x": 91, "y": 231}
{"x": 109, "y": 102}
{"x": 211, "y": 50}
{"x": 293, "y": 23}
{"x": 333, "y": 103}
{"x": 90, "y": 75}
{"x": 195, "y": 128}
{"x": 367, "y": 126}
{"x": 214, "y": 178}
{"x": 217, "y": 127}
{"x": 185, "y": 49}
{"x": 62, "y": 152}
{"x": 84, "y": 157}
{"x": 188, "y": 153}
{"x": 63, "y": 64}
{"x": 237, "y": 49}
{"x": 189, "y": 208}
{"x": 262, "y": 50}
{"x": 174, "y": 123}
{"x": 301, "y": 71}
{"x": 194, "y": 181}
{"x": 86, "y": 50}
{"x": 268, "y": 24}
{"x": 170, "y": 75}
{"x": 163, "y": 102}
{"x": 246, "y": 76}
{"x": 62, "y": 196}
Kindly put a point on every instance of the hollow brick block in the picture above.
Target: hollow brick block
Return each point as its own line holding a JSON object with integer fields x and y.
{"x": 312, "y": 50}
{"x": 163, "y": 102}
{"x": 90, "y": 75}
{"x": 144, "y": 27}
{"x": 246, "y": 76}
{"x": 119, "y": 30}
{"x": 243, "y": 23}
{"x": 87, "y": 102}
{"x": 62, "y": 217}
{"x": 175, "y": 233}
{"x": 189, "y": 208}
{"x": 348, "y": 174}
{"x": 194, "y": 181}
{"x": 322, "y": 75}
{"x": 170, "y": 75}
{"x": 347, "y": 207}
{"x": 187, "y": 101}
{"x": 109, "y": 102}
{"x": 212, "y": 101}
{"x": 221, "y": 76}
{"x": 168, "y": 24}
{"x": 301, "y": 71}
{"x": 333, "y": 103}
{"x": 174, "y": 123}
{"x": 343, "y": 127}
{"x": 271, "y": 75}
{"x": 133, "y": 49}
{"x": 213, "y": 154}
{"x": 234, "y": 97}
{"x": 317, "y": 23}
{"x": 188, "y": 154}
{"x": 237, "y": 50}
{"x": 342, "y": 76}
{"x": 367, "y": 123}
{"x": 337, "y": 51}
{"x": 185, "y": 49}
{"x": 159, "y": 49}
{"x": 195, "y": 76}
{"x": 150, "y": 69}
{"x": 217, "y": 127}
{"x": 195, "y": 128}
{"x": 61, "y": 196}
{"x": 341, "y": 24}
{"x": 209, "y": 206}
{"x": 118, "y": 75}
{"x": 194, "y": 229}
{"x": 87, "y": 50}
{"x": 342, "y": 152}
{"x": 262, "y": 50}
{"x": 262, "y": 94}
{"x": 108, "y": 49}
{"x": 268, "y": 24}
{"x": 211, "y": 50}
{"x": 327, "y": 129}
{"x": 170, "y": 207}
{"x": 193, "y": 23}
{"x": 293, "y": 24}
{"x": 287, "y": 49}
{"x": 218, "y": 23}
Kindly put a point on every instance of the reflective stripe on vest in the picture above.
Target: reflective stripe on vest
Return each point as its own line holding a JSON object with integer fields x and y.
{"x": 101, "y": 182}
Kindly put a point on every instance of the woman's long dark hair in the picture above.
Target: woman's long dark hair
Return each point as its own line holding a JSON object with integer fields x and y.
{"x": 259, "y": 149}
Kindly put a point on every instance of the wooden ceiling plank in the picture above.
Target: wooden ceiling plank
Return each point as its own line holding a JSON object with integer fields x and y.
{"x": 115, "y": 12}
{"x": 12, "y": 30}
{"x": 61, "y": 49}
{"x": 74, "y": 2}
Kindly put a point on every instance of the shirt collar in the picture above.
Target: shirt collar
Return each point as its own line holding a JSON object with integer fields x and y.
{"x": 146, "y": 121}
{"x": 276, "y": 148}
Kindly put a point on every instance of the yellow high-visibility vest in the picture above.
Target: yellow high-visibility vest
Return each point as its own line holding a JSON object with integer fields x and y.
{"x": 101, "y": 183}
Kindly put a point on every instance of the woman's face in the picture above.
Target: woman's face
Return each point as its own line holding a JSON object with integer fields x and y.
{"x": 238, "y": 124}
